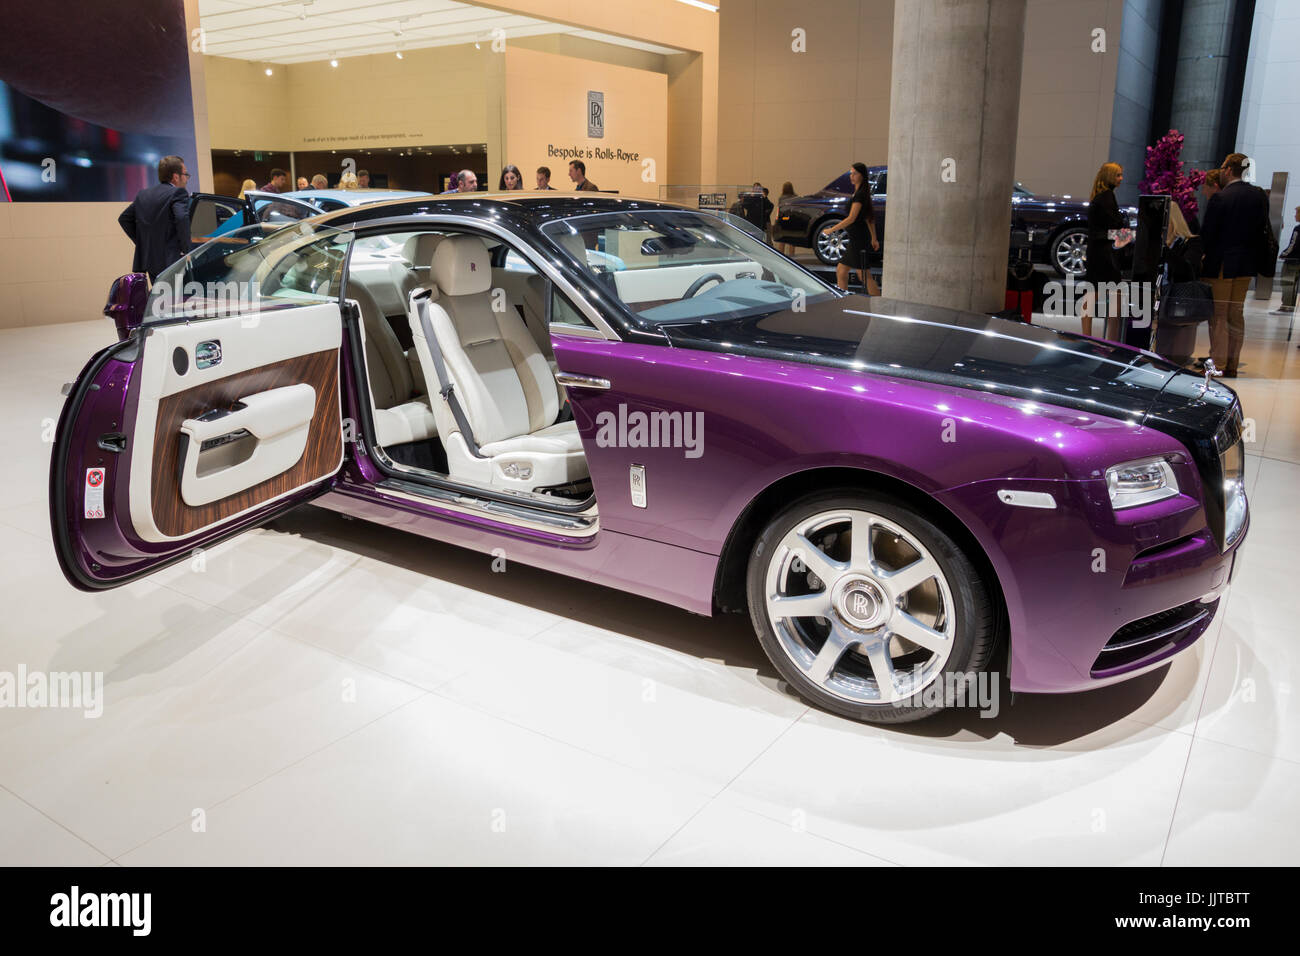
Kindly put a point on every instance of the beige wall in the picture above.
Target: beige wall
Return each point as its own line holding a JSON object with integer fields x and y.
{"x": 546, "y": 106}
{"x": 1067, "y": 93}
{"x": 802, "y": 116}
{"x": 57, "y": 260}
{"x": 806, "y": 116}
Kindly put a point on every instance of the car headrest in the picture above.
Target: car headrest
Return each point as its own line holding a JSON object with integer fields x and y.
{"x": 572, "y": 243}
{"x": 461, "y": 266}
{"x": 419, "y": 249}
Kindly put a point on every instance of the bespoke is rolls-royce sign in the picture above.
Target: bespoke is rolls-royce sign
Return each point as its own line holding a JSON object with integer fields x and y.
{"x": 595, "y": 114}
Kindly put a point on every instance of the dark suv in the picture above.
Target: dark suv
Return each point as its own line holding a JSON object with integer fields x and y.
{"x": 1050, "y": 229}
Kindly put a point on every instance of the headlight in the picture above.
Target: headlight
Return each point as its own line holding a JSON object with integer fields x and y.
{"x": 1140, "y": 482}
{"x": 1234, "y": 494}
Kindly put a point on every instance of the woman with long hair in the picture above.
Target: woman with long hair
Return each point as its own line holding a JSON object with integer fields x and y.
{"x": 511, "y": 178}
{"x": 1103, "y": 219}
{"x": 349, "y": 181}
{"x": 787, "y": 193}
{"x": 861, "y": 226}
{"x": 248, "y": 184}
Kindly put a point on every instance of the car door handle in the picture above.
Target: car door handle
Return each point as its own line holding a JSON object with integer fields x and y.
{"x": 569, "y": 380}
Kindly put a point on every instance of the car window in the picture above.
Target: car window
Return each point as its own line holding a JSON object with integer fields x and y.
{"x": 681, "y": 265}
{"x": 564, "y": 312}
{"x": 253, "y": 269}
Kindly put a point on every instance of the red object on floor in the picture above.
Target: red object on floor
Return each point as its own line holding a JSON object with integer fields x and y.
{"x": 1024, "y": 301}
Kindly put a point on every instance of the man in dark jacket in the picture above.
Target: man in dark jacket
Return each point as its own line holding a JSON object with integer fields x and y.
{"x": 158, "y": 219}
{"x": 1234, "y": 222}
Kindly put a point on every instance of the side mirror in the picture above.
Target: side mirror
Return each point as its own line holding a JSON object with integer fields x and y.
{"x": 126, "y": 301}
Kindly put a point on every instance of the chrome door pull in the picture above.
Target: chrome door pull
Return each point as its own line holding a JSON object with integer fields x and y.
{"x": 581, "y": 381}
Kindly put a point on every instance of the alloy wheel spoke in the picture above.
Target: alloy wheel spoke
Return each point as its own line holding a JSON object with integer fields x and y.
{"x": 916, "y": 573}
{"x": 838, "y": 641}
{"x": 814, "y": 558}
{"x": 862, "y": 554}
{"x": 817, "y": 604}
{"x": 909, "y": 628}
{"x": 882, "y": 667}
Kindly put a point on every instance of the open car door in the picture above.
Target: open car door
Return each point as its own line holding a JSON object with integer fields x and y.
{"x": 212, "y": 215}
{"x": 278, "y": 209}
{"x": 218, "y": 409}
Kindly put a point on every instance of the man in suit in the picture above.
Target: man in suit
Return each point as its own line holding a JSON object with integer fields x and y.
{"x": 158, "y": 219}
{"x": 1234, "y": 222}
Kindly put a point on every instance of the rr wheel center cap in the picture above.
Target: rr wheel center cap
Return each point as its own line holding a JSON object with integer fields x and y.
{"x": 860, "y": 603}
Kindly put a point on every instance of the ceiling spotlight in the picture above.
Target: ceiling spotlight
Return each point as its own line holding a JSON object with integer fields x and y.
{"x": 399, "y": 54}
{"x": 269, "y": 71}
{"x": 334, "y": 62}
{"x": 477, "y": 46}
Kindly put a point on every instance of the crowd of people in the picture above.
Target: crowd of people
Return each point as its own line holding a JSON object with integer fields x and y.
{"x": 1222, "y": 249}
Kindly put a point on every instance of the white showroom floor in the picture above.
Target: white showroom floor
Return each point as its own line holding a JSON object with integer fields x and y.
{"x": 324, "y": 691}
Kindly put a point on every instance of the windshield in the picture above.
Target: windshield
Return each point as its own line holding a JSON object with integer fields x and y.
{"x": 252, "y": 269}
{"x": 682, "y": 266}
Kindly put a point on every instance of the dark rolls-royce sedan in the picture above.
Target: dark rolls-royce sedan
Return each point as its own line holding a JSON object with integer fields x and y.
{"x": 1044, "y": 229}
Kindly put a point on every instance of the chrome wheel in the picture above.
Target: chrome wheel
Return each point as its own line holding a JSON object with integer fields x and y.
{"x": 830, "y": 249}
{"x": 860, "y": 606}
{"x": 1070, "y": 252}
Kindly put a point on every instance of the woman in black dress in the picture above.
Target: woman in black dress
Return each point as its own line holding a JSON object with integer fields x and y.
{"x": 861, "y": 225}
{"x": 1103, "y": 218}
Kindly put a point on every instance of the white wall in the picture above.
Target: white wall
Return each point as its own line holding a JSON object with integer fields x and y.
{"x": 1269, "y": 129}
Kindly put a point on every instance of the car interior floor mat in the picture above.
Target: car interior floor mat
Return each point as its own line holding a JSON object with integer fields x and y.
{"x": 428, "y": 454}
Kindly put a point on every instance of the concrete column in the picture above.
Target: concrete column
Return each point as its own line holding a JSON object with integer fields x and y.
{"x": 953, "y": 117}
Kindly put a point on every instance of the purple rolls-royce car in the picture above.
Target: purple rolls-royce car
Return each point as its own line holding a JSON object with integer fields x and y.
{"x": 646, "y": 397}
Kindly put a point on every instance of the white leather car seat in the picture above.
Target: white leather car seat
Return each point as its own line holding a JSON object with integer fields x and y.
{"x": 401, "y": 414}
{"x": 505, "y": 390}
{"x": 534, "y": 305}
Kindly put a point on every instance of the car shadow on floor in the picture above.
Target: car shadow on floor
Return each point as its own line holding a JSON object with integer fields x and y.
{"x": 727, "y": 638}
{"x": 1031, "y": 720}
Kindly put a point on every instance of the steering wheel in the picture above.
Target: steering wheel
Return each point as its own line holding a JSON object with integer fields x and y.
{"x": 699, "y": 283}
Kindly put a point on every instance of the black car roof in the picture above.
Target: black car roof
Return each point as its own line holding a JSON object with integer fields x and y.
{"x": 520, "y": 208}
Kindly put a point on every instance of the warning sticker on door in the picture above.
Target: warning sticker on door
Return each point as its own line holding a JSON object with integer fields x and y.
{"x": 94, "y": 492}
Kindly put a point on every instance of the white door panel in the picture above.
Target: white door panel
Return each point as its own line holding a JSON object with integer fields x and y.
{"x": 245, "y": 344}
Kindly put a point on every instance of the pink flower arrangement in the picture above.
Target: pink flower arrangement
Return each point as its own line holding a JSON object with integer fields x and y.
{"x": 1165, "y": 176}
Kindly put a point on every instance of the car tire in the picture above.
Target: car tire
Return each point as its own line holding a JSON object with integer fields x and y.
{"x": 1068, "y": 252}
{"x": 829, "y": 249}
{"x": 832, "y": 661}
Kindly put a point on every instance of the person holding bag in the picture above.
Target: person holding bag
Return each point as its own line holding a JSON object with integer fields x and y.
{"x": 1235, "y": 231}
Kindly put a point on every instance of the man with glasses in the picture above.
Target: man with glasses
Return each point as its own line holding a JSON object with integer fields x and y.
{"x": 158, "y": 219}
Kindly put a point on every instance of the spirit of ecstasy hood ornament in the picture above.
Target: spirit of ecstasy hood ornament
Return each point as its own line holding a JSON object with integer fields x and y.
{"x": 1211, "y": 373}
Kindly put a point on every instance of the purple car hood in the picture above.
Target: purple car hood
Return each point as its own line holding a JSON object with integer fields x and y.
{"x": 880, "y": 336}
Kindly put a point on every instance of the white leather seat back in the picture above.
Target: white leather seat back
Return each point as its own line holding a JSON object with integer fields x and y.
{"x": 386, "y": 363}
{"x": 502, "y": 379}
{"x": 535, "y": 314}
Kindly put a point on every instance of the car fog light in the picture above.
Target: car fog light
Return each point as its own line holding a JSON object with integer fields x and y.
{"x": 1140, "y": 483}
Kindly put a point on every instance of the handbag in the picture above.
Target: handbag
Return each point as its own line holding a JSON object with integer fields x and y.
{"x": 1187, "y": 303}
